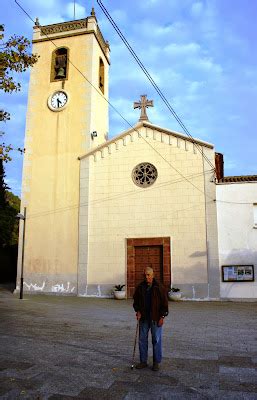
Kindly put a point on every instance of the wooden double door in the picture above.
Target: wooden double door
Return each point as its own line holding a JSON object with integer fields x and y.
{"x": 148, "y": 252}
{"x": 148, "y": 256}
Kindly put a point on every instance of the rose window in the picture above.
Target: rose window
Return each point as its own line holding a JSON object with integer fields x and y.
{"x": 144, "y": 174}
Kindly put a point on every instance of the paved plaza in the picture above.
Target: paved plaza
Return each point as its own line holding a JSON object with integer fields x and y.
{"x": 58, "y": 347}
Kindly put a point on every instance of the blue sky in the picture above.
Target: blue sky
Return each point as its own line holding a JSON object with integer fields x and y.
{"x": 201, "y": 53}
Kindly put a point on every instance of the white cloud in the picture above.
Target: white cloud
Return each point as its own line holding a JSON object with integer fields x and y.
{"x": 119, "y": 16}
{"x": 187, "y": 49}
{"x": 80, "y": 11}
{"x": 125, "y": 108}
{"x": 209, "y": 22}
{"x": 51, "y": 19}
{"x": 177, "y": 31}
{"x": 146, "y": 27}
{"x": 53, "y": 11}
{"x": 127, "y": 71}
{"x": 207, "y": 64}
{"x": 163, "y": 30}
{"x": 194, "y": 86}
{"x": 204, "y": 65}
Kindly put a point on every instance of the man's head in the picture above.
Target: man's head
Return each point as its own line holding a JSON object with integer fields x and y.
{"x": 149, "y": 275}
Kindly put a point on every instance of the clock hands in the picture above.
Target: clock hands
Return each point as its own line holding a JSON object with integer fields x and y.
{"x": 58, "y": 100}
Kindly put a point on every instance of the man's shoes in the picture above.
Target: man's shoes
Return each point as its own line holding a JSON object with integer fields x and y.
{"x": 155, "y": 367}
{"x": 141, "y": 365}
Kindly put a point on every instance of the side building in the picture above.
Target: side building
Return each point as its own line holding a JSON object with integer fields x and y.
{"x": 237, "y": 233}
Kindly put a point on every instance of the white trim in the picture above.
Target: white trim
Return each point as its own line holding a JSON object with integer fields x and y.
{"x": 154, "y": 128}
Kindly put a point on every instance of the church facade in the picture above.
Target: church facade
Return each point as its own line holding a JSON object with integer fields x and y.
{"x": 146, "y": 198}
{"x": 99, "y": 211}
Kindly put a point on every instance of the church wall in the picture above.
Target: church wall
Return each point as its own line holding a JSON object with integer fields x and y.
{"x": 171, "y": 207}
{"x": 211, "y": 227}
{"x": 51, "y": 168}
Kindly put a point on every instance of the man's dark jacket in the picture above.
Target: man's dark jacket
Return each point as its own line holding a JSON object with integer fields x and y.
{"x": 159, "y": 302}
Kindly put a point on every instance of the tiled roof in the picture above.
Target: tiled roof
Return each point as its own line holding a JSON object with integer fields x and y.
{"x": 240, "y": 178}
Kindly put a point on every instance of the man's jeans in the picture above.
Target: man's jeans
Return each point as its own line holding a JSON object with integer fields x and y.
{"x": 144, "y": 327}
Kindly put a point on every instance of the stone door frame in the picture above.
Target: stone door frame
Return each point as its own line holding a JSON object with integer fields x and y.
{"x": 157, "y": 241}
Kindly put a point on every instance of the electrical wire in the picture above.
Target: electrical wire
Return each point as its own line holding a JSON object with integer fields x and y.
{"x": 233, "y": 202}
{"x": 114, "y": 108}
{"x": 74, "y": 207}
{"x": 139, "y": 134}
{"x": 110, "y": 198}
{"x": 158, "y": 90}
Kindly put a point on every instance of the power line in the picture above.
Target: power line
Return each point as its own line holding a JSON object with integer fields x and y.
{"x": 158, "y": 90}
{"x": 232, "y": 202}
{"x": 74, "y": 207}
{"x": 114, "y": 197}
{"x": 114, "y": 108}
{"x": 131, "y": 193}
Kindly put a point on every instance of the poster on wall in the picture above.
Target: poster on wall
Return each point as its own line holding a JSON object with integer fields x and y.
{"x": 237, "y": 273}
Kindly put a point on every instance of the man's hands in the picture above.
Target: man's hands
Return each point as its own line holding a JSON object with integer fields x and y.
{"x": 160, "y": 322}
{"x": 138, "y": 315}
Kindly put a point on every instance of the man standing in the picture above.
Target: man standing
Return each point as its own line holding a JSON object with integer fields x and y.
{"x": 151, "y": 306}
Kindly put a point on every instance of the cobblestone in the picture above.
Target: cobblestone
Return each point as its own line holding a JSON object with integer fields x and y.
{"x": 55, "y": 347}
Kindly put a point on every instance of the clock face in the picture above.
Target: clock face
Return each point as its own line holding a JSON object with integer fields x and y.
{"x": 58, "y": 100}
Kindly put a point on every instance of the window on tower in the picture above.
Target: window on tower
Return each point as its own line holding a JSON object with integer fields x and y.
{"x": 59, "y": 68}
{"x": 101, "y": 75}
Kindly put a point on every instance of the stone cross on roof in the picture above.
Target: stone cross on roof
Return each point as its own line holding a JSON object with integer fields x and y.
{"x": 143, "y": 105}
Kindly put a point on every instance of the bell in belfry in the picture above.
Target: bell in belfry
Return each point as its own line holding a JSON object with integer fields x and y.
{"x": 60, "y": 65}
{"x": 60, "y": 73}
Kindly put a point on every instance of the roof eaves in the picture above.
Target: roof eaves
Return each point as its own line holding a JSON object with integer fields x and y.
{"x": 238, "y": 179}
{"x": 136, "y": 129}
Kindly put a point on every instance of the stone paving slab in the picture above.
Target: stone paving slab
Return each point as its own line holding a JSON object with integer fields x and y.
{"x": 81, "y": 348}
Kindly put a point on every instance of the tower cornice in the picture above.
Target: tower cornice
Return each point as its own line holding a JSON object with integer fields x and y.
{"x": 63, "y": 27}
{"x": 71, "y": 28}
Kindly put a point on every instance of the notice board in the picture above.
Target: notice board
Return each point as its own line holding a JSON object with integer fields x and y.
{"x": 237, "y": 273}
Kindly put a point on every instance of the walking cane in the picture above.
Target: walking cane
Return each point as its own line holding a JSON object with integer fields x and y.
{"x": 135, "y": 343}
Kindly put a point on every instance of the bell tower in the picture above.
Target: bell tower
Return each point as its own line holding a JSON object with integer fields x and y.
{"x": 67, "y": 101}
